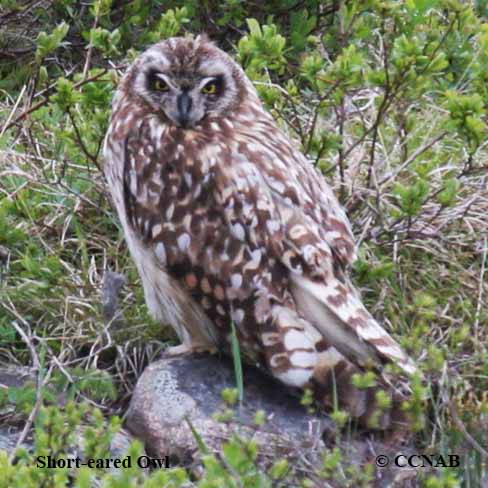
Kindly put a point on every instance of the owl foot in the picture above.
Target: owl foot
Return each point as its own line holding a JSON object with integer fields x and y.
{"x": 183, "y": 349}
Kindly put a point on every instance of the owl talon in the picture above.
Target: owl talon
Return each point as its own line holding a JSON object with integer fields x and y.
{"x": 179, "y": 350}
{"x": 184, "y": 349}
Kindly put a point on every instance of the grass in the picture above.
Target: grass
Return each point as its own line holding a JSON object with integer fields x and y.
{"x": 424, "y": 278}
{"x": 414, "y": 186}
{"x": 236, "y": 358}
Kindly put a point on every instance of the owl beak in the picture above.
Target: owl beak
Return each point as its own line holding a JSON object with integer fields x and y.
{"x": 184, "y": 104}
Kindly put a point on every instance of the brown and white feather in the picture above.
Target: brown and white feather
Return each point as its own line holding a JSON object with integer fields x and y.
{"x": 228, "y": 221}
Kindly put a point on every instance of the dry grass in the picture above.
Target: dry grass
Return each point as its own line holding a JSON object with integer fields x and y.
{"x": 423, "y": 276}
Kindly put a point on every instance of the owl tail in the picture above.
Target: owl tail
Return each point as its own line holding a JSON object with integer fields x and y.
{"x": 352, "y": 342}
{"x": 299, "y": 356}
{"x": 375, "y": 406}
{"x": 335, "y": 310}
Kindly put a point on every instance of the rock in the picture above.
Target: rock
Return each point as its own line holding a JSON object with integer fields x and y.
{"x": 4, "y": 254}
{"x": 8, "y": 438}
{"x": 18, "y": 376}
{"x": 175, "y": 390}
{"x": 15, "y": 376}
{"x": 112, "y": 283}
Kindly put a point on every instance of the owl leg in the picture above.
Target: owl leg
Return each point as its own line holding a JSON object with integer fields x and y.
{"x": 290, "y": 352}
{"x": 297, "y": 354}
{"x": 188, "y": 348}
{"x": 191, "y": 342}
{"x": 332, "y": 383}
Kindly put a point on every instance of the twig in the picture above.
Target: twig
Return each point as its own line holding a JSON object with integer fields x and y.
{"x": 39, "y": 104}
{"x": 19, "y": 98}
{"x": 462, "y": 428}
{"x": 341, "y": 151}
{"x": 413, "y": 157}
{"x": 84, "y": 149}
{"x": 317, "y": 110}
{"x": 480, "y": 288}
{"x": 35, "y": 358}
{"x": 34, "y": 411}
{"x": 90, "y": 47}
{"x": 385, "y": 104}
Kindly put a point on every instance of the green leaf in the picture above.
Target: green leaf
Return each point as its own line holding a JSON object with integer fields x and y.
{"x": 170, "y": 24}
{"x": 412, "y": 197}
{"x": 448, "y": 195}
{"x": 47, "y": 43}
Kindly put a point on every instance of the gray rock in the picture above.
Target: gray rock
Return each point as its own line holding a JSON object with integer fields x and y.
{"x": 8, "y": 438}
{"x": 112, "y": 283}
{"x": 17, "y": 376}
{"x": 178, "y": 391}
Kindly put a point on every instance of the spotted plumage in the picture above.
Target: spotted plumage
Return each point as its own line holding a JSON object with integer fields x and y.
{"x": 227, "y": 221}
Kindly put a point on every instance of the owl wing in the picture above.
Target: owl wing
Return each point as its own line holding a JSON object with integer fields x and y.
{"x": 314, "y": 242}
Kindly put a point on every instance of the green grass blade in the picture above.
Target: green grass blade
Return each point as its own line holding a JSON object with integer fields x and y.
{"x": 236, "y": 357}
{"x": 198, "y": 438}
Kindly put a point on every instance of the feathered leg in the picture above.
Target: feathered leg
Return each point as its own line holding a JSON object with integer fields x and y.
{"x": 298, "y": 355}
{"x": 289, "y": 350}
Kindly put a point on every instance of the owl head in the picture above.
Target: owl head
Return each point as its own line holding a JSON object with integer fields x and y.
{"x": 186, "y": 80}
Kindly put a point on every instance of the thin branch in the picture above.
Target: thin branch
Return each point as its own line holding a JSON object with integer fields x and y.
{"x": 413, "y": 157}
{"x": 43, "y": 102}
{"x": 33, "y": 414}
{"x": 462, "y": 428}
{"x": 87, "y": 153}
{"x": 480, "y": 289}
{"x": 316, "y": 113}
{"x": 34, "y": 357}
{"x": 7, "y": 122}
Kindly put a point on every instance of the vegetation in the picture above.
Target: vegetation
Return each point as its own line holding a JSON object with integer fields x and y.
{"x": 389, "y": 99}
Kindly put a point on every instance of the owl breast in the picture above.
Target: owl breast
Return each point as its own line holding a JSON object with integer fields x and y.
{"x": 177, "y": 234}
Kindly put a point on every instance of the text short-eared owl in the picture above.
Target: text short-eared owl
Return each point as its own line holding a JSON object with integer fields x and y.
{"x": 227, "y": 221}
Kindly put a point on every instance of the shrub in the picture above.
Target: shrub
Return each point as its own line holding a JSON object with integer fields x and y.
{"x": 387, "y": 98}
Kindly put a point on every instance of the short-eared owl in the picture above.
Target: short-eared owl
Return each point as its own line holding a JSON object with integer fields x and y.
{"x": 227, "y": 221}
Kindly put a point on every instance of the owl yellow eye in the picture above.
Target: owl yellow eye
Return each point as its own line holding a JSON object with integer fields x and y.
{"x": 160, "y": 85}
{"x": 210, "y": 88}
